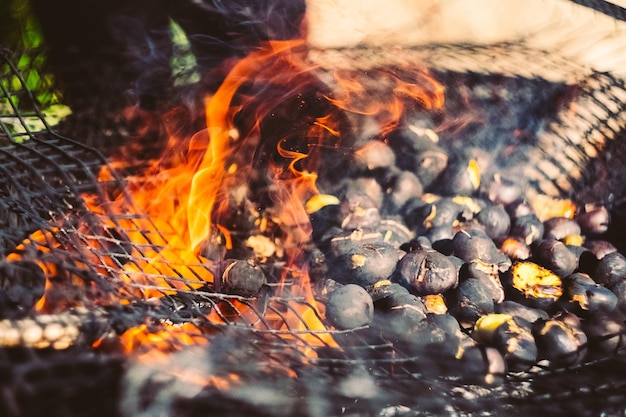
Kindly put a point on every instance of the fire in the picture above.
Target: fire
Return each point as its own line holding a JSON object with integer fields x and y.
{"x": 174, "y": 219}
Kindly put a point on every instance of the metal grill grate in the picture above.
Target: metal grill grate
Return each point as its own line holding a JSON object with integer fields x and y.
{"x": 92, "y": 263}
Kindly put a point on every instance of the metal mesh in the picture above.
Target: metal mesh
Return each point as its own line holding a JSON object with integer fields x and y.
{"x": 91, "y": 262}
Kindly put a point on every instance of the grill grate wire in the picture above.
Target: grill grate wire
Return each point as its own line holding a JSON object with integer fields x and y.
{"x": 49, "y": 177}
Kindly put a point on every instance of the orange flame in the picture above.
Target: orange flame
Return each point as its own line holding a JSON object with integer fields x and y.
{"x": 172, "y": 207}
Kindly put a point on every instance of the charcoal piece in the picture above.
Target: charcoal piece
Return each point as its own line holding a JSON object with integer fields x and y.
{"x": 528, "y": 228}
{"x": 364, "y": 264}
{"x": 583, "y": 296}
{"x": 532, "y": 285}
{"x": 560, "y": 340}
{"x": 611, "y": 269}
{"x": 594, "y": 220}
{"x": 560, "y": 227}
{"x": 471, "y": 244}
{"x": 349, "y": 307}
{"x": 515, "y": 248}
{"x": 496, "y": 221}
{"x": 22, "y": 284}
{"x": 512, "y": 336}
{"x": 401, "y": 188}
{"x": 374, "y": 155}
{"x": 242, "y": 277}
{"x": 426, "y": 272}
{"x": 555, "y": 255}
{"x": 606, "y": 334}
{"x": 515, "y": 309}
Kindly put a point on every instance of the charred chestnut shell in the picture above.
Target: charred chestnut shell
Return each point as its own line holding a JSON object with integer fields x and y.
{"x": 426, "y": 272}
{"x": 349, "y": 307}
{"x": 532, "y": 285}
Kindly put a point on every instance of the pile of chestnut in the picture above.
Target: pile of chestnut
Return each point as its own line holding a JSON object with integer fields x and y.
{"x": 447, "y": 258}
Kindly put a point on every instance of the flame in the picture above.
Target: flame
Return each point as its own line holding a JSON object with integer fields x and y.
{"x": 174, "y": 206}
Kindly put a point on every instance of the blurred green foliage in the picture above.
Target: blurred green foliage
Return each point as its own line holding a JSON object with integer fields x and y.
{"x": 21, "y": 35}
{"x": 183, "y": 61}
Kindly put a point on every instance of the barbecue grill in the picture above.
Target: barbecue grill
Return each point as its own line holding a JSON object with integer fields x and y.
{"x": 272, "y": 353}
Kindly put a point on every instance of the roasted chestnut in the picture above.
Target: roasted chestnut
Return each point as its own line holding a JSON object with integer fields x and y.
{"x": 511, "y": 336}
{"x": 503, "y": 191}
{"x": 611, "y": 269}
{"x": 515, "y": 249}
{"x": 594, "y": 219}
{"x": 560, "y": 227}
{"x": 359, "y": 211}
{"x": 606, "y": 334}
{"x": 403, "y": 187}
{"x": 437, "y": 336}
{"x": 399, "y": 315}
{"x": 496, "y": 221}
{"x": 470, "y": 300}
{"x": 22, "y": 284}
{"x": 560, "y": 340}
{"x": 242, "y": 277}
{"x": 481, "y": 365}
{"x": 532, "y": 285}
{"x": 600, "y": 248}
{"x": 519, "y": 208}
{"x": 554, "y": 255}
{"x": 418, "y": 153}
{"x": 515, "y": 309}
{"x": 583, "y": 296}
{"x": 426, "y": 272}
{"x": 364, "y": 264}
{"x": 383, "y": 289}
{"x": 374, "y": 155}
{"x": 349, "y": 307}
{"x": 461, "y": 177}
{"x": 472, "y": 244}
{"x": 527, "y": 228}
